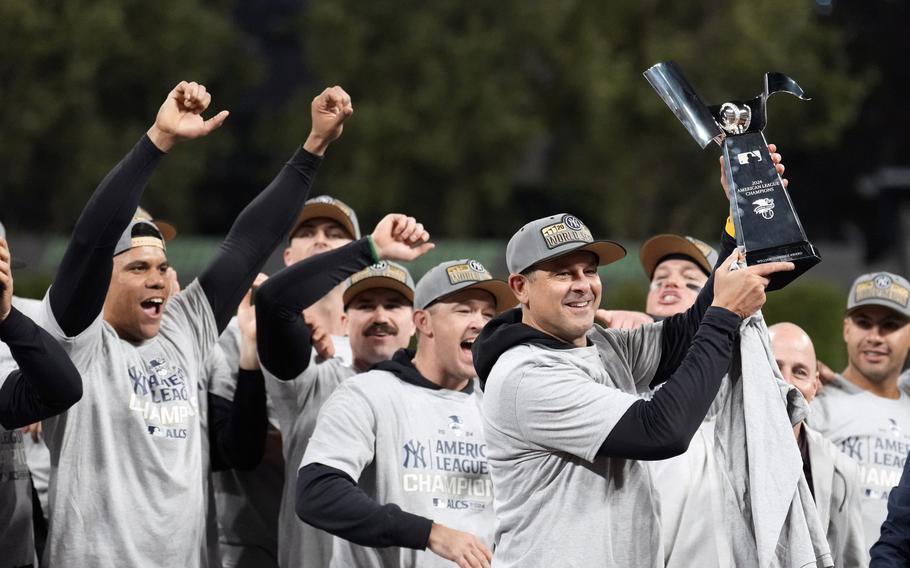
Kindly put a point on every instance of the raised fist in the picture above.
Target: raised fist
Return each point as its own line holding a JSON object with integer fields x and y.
{"x": 180, "y": 116}
{"x": 399, "y": 237}
{"x": 329, "y": 110}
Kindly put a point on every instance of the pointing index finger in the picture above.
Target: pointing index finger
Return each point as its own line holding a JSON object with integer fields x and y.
{"x": 771, "y": 267}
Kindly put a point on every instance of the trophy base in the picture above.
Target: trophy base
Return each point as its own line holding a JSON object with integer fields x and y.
{"x": 803, "y": 255}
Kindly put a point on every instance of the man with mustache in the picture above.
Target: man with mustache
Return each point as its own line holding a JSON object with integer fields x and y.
{"x": 126, "y": 481}
{"x": 256, "y": 520}
{"x": 377, "y": 316}
{"x": 565, "y": 421}
{"x": 864, "y": 410}
{"x": 397, "y": 462}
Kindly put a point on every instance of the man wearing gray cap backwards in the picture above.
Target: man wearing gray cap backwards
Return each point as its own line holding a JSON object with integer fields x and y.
{"x": 397, "y": 462}
{"x": 864, "y": 410}
{"x": 126, "y": 483}
{"x": 564, "y": 416}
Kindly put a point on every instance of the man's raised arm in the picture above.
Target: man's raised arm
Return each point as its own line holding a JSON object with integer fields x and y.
{"x": 262, "y": 224}
{"x": 77, "y": 295}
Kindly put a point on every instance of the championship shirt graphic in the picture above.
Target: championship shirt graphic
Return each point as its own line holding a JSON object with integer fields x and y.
{"x": 161, "y": 394}
{"x": 881, "y": 457}
{"x": 13, "y": 466}
{"x": 449, "y": 468}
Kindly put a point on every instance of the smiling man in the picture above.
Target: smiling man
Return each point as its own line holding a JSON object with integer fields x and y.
{"x": 564, "y": 418}
{"x": 397, "y": 463}
{"x": 864, "y": 411}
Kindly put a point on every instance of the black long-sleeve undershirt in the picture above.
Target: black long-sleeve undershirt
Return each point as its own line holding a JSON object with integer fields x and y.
{"x": 77, "y": 295}
{"x": 46, "y": 382}
{"x": 696, "y": 349}
{"x": 328, "y": 499}
{"x": 258, "y": 229}
{"x": 238, "y": 428}
{"x": 282, "y": 337}
{"x": 662, "y": 427}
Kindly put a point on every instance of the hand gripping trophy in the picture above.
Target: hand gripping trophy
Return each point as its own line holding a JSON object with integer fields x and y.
{"x": 767, "y": 227}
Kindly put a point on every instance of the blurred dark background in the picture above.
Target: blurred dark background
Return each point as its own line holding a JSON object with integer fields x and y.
{"x": 473, "y": 116}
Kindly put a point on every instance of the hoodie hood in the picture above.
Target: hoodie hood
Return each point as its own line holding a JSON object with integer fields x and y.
{"x": 402, "y": 366}
{"x": 501, "y": 334}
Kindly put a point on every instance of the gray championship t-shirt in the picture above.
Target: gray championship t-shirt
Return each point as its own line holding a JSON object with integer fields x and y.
{"x": 297, "y": 404}
{"x": 419, "y": 448}
{"x": 17, "y": 545}
{"x": 126, "y": 485}
{"x": 874, "y": 431}
{"x": 247, "y": 501}
{"x": 546, "y": 413}
{"x": 36, "y": 454}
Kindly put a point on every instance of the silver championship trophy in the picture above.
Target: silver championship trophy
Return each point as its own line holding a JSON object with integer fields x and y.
{"x": 767, "y": 227}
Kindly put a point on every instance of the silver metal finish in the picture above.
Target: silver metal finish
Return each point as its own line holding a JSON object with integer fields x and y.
{"x": 735, "y": 119}
{"x": 678, "y": 94}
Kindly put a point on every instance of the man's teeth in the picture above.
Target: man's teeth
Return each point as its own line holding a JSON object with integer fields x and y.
{"x": 579, "y": 304}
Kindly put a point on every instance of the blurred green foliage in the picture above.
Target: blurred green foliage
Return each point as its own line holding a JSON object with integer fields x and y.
{"x": 475, "y": 117}
{"x": 817, "y": 307}
{"x": 479, "y": 119}
{"x": 83, "y": 79}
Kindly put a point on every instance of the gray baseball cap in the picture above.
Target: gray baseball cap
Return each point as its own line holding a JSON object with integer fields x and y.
{"x": 553, "y": 236}
{"x": 326, "y": 207}
{"x": 880, "y": 289}
{"x": 13, "y": 262}
{"x": 657, "y": 248}
{"x": 140, "y": 233}
{"x": 383, "y": 274}
{"x": 455, "y": 275}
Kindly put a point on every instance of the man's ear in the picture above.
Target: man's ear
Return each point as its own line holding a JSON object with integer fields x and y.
{"x": 519, "y": 286}
{"x": 422, "y": 322}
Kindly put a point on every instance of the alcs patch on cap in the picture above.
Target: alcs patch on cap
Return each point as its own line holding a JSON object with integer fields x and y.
{"x": 381, "y": 268}
{"x": 471, "y": 271}
{"x": 383, "y": 274}
{"x": 882, "y": 286}
{"x": 454, "y": 276}
{"x": 569, "y": 230}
